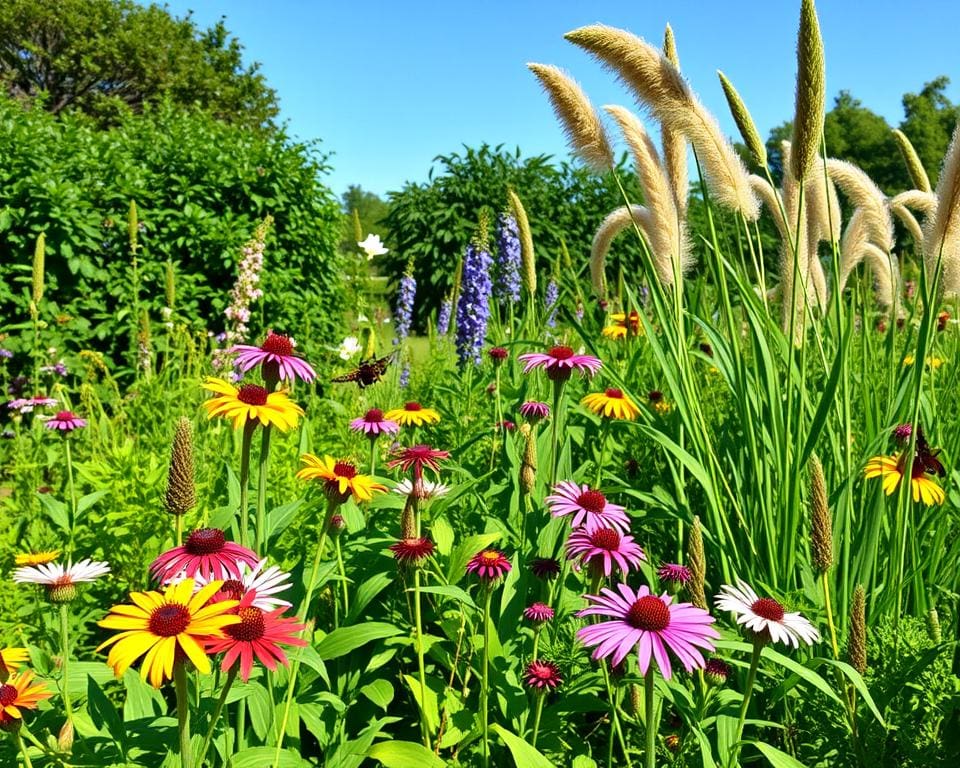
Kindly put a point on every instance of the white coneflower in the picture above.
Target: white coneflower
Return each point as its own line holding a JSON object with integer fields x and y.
{"x": 59, "y": 580}
{"x": 265, "y": 583}
{"x": 431, "y": 489}
{"x": 765, "y": 617}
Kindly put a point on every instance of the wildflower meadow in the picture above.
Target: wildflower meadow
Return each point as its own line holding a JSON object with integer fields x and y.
{"x": 685, "y": 496}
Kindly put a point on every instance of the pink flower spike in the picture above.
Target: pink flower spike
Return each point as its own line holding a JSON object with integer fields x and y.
{"x": 587, "y": 506}
{"x": 207, "y": 553}
{"x": 275, "y": 356}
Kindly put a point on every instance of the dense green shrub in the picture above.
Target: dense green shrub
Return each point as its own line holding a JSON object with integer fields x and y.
{"x": 200, "y": 185}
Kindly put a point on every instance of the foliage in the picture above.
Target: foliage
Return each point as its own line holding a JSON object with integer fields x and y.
{"x": 930, "y": 118}
{"x": 108, "y": 57}
{"x": 371, "y": 209}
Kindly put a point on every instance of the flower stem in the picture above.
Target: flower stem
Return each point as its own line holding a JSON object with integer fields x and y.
{"x": 485, "y": 679}
{"x": 65, "y": 651}
{"x": 536, "y": 717}
{"x": 751, "y": 679}
{"x": 178, "y": 529}
{"x": 648, "y": 702}
{"x": 373, "y": 455}
{"x": 183, "y": 714}
{"x": 248, "y": 429}
{"x": 343, "y": 577}
{"x": 826, "y": 600}
{"x": 425, "y": 726}
{"x": 260, "y": 536}
{"x": 215, "y": 717}
{"x": 615, "y": 728}
{"x": 71, "y": 490}
{"x": 23, "y": 750}
{"x": 554, "y": 449}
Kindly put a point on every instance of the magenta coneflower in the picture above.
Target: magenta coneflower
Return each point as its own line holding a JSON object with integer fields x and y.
{"x": 602, "y": 548}
{"x": 560, "y": 363}
{"x": 538, "y": 613}
{"x": 66, "y": 421}
{"x": 498, "y": 355}
{"x": 587, "y": 506}
{"x": 276, "y": 357}
{"x": 902, "y": 433}
{"x": 673, "y": 573}
{"x": 373, "y": 424}
{"x": 542, "y": 676}
{"x": 489, "y": 565}
{"x": 412, "y": 551}
{"x": 206, "y": 552}
{"x": 765, "y": 617}
{"x": 650, "y": 623}
{"x": 545, "y": 568}
{"x": 417, "y": 457}
{"x": 534, "y": 411}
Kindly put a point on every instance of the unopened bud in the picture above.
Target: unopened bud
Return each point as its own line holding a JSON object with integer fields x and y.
{"x": 65, "y": 739}
{"x": 933, "y": 626}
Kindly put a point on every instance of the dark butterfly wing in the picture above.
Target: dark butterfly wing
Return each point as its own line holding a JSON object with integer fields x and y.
{"x": 352, "y": 376}
{"x": 367, "y": 372}
{"x": 927, "y": 457}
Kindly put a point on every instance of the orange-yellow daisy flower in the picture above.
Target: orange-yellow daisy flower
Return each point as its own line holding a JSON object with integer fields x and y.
{"x": 414, "y": 414}
{"x": 622, "y": 326}
{"x": 159, "y": 625}
{"x": 251, "y": 402}
{"x": 340, "y": 478}
{"x": 37, "y": 558}
{"x": 11, "y": 659}
{"x": 890, "y": 470}
{"x": 611, "y": 403}
{"x": 17, "y": 694}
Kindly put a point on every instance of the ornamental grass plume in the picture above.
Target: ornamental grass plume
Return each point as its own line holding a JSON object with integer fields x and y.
{"x": 857, "y": 641}
{"x": 181, "y": 494}
{"x": 528, "y": 257}
{"x": 809, "y": 111}
{"x": 821, "y": 526}
{"x": 506, "y": 288}
{"x": 39, "y": 259}
{"x": 580, "y": 122}
{"x": 473, "y": 306}
{"x": 942, "y": 230}
{"x": 674, "y": 142}
{"x": 697, "y": 562}
{"x": 934, "y": 630}
{"x": 918, "y": 174}
{"x": 744, "y": 120}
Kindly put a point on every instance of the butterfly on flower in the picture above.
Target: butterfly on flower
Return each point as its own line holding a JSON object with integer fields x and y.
{"x": 927, "y": 456}
{"x": 367, "y": 372}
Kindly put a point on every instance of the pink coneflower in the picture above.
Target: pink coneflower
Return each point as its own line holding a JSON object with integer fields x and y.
{"x": 276, "y": 357}
{"x": 534, "y": 411}
{"x": 59, "y": 580}
{"x": 902, "y": 433}
{"x": 373, "y": 424}
{"x": 765, "y": 617}
{"x": 716, "y": 671}
{"x": 498, "y": 355}
{"x": 489, "y": 565}
{"x": 66, "y": 422}
{"x": 538, "y": 612}
{"x": 587, "y": 506}
{"x": 545, "y": 568}
{"x": 650, "y": 623}
{"x": 602, "y": 548}
{"x": 560, "y": 362}
{"x": 506, "y": 426}
{"x": 263, "y": 583}
{"x": 416, "y": 457}
{"x": 205, "y": 552}
{"x": 257, "y": 637}
{"x": 542, "y": 676}
{"x": 412, "y": 551}
{"x": 673, "y": 573}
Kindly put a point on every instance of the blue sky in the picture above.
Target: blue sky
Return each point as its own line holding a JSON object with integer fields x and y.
{"x": 389, "y": 85}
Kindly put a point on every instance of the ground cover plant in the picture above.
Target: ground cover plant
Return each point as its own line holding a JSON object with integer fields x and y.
{"x": 696, "y": 513}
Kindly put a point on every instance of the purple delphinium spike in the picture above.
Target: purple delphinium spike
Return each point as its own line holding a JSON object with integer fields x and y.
{"x": 507, "y": 288}
{"x": 403, "y": 313}
{"x": 550, "y": 297}
{"x": 473, "y": 308}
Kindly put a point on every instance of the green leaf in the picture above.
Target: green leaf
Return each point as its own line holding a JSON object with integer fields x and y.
{"x": 776, "y": 758}
{"x": 342, "y": 641}
{"x": 142, "y": 700}
{"x": 524, "y": 755}
{"x": 258, "y": 757}
{"x": 56, "y": 510}
{"x": 380, "y": 692}
{"x": 103, "y": 713}
{"x": 448, "y": 591}
{"x": 429, "y": 703}
{"x": 442, "y": 534}
{"x": 854, "y": 677}
{"x": 279, "y": 518}
{"x": 366, "y": 592}
{"x": 404, "y": 754}
{"x": 261, "y": 710}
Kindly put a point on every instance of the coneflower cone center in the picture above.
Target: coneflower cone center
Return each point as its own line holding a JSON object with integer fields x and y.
{"x": 232, "y": 589}
{"x": 542, "y": 670}
{"x": 614, "y": 394}
{"x": 374, "y": 416}
{"x": 64, "y": 416}
{"x": 605, "y": 538}
{"x": 277, "y": 344}
{"x": 205, "y": 541}
{"x": 655, "y": 395}
{"x": 252, "y": 394}
{"x": 8, "y": 695}
{"x": 490, "y": 558}
{"x": 649, "y": 613}
{"x": 592, "y": 501}
{"x": 561, "y": 353}
{"x": 768, "y": 608}
{"x": 344, "y": 469}
{"x": 169, "y": 620}
{"x": 250, "y": 628}
{"x": 412, "y": 406}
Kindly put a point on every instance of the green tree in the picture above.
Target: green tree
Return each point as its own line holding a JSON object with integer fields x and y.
{"x": 854, "y": 133}
{"x": 108, "y": 57}
{"x": 372, "y": 210}
{"x": 929, "y": 122}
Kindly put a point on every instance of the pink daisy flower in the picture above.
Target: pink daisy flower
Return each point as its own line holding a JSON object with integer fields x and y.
{"x": 542, "y": 676}
{"x": 534, "y": 412}
{"x": 207, "y": 553}
{"x": 538, "y": 612}
{"x": 412, "y": 551}
{"x": 373, "y": 424}
{"x": 276, "y": 358}
{"x": 560, "y": 363}
{"x": 66, "y": 421}
{"x": 651, "y": 624}
{"x": 587, "y": 506}
{"x": 489, "y": 565}
{"x": 765, "y": 617}
{"x": 602, "y": 548}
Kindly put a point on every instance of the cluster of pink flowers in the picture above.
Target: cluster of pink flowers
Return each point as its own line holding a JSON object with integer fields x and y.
{"x": 245, "y": 291}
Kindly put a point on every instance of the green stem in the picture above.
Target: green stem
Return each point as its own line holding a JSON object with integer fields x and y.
{"x": 183, "y": 714}
{"x": 833, "y": 631}
{"x": 615, "y": 728}
{"x": 605, "y": 430}
{"x": 554, "y": 449}
{"x": 745, "y": 704}
{"x": 536, "y": 717}
{"x": 65, "y": 652}
{"x": 71, "y": 490}
{"x": 260, "y": 536}
{"x": 424, "y": 725}
{"x": 23, "y": 750}
{"x": 373, "y": 455}
{"x": 649, "y": 708}
{"x": 536, "y": 641}
{"x": 215, "y": 717}
{"x": 178, "y": 529}
{"x": 248, "y": 429}
{"x": 343, "y": 577}
{"x": 485, "y": 680}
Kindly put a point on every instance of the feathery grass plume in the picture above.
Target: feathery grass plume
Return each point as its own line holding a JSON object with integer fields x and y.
{"x": 170, "y": 285}
{"x": 857, "y": 641}
{"x": 697, "y": 562}
{"x": 809, "y": 111}
{"x": 674, "y": 143}
{"x": 934, "y": 632}
{"x": 615, "y": 222}
{"x": 942, "y": 230}
{"x": 918, "y": 174}
{"x": 864, "y": 193}
{"x": 133, "y": 228}
{"x": 770, "y": 198}
{"x": 794, "y": 261}
{"x": 39, "y": 261}
{"x": 529, "y": 259}
{"x": 743, "y": 119}
{"x": 528, "y": 467}
{"x": 667, "y": 235}
{"x": 181, "y": 495}
{"x": 823, "y": 221}
{"x": 909, "y": 221}
{"x": 821, "y": 525}
{"x": 856, "y": 247}
{"x": 635, "y": 701}
{"x": 917, "y": 200}
{"x": 579, "y": 120}
{"x": 357, "y": 229}
{"x": 660, "y": 87}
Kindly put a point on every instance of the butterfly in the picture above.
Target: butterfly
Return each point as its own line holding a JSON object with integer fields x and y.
{"x": 927, "y": 456}
{"x": 367, "y": 372}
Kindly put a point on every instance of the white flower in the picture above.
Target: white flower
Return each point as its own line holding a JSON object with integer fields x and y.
{"x": 56, "y": 575}
{"x": 362, "y": 318}
{"x": 373, "y": 246}
{"x": 764, "y": 614}
{"x": 349, "y": 347}
{"x": 263, "y": 582}
{"x": 433, "y": 490}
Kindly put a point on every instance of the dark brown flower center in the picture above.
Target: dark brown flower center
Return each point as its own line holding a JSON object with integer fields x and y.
{"x": 344, "y": 469}
{"x": 412, "y": 406}
{"x": 277, "y": 344}
{"x": 232, "y": 589}
{"x": 768, "y": 608}
{"x": 374, "y": 415}
{"x": 605, "y": 538}
{"x": 655, "y": 395}
{"x": 250, "y": 628}
{"x": 592, "y": 501}
{"x": 205, "y": 541}
{"x": 614, "y": 393}
{"x": 169, "y": 620}
{"x": 8, "y": 695}
{"x": 251, "y": 394}
{"x": 649, "y": 613}
{"x": 561, "y": 353}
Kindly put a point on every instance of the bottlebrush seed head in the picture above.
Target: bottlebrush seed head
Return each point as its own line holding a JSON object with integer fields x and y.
{"x": 857, "y": 642}
{"x": 697, "y": 563}
{"x": 181, "y": 495}
{"x": 528, "y": 467}
{"x": 933, "y": 626}
{"x": 821, "y": 526}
